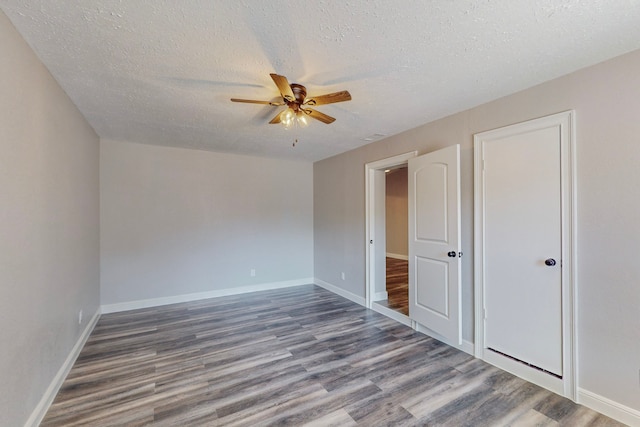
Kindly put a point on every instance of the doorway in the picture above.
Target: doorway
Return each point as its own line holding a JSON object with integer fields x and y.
{"x": 377, "y": 259}
{"x": 396, "y": 240}
{"x": 433, "y": 240}
{"x": 524, "y": 250}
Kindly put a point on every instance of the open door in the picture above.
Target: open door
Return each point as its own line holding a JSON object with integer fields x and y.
{"x": 434, "y": 242}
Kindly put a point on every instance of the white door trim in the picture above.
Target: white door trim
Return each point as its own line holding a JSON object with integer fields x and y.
{"x": 567, "y": 386}
{"x": 370, "y": 198}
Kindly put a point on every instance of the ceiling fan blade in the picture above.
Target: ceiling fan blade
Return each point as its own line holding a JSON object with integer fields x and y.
{"x": 283, "y": 86}
{"x": 276, "y": 119}
{"x": 253, "y": 101}
{"x": 319, "y": 116}
{"x": 329, "y": 98}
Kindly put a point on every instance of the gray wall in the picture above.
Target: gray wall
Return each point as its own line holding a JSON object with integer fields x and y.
{"x": 607, "y": 103}
{"x": 397, "y": 212}
{"x": 177, "y": 221}
{"x": 49, "y": 241}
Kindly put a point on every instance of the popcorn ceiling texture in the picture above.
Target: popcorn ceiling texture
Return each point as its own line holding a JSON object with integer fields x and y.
{"x": 162, "y": 72}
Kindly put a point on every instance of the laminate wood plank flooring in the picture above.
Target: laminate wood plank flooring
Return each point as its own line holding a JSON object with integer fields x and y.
{"x": 397, "y": 286}
{"x": 298, "y": 356}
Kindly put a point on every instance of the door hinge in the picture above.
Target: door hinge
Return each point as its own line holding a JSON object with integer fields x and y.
{"x": 484, "y": 313}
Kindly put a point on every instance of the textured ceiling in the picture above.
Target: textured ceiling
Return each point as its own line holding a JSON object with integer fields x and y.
{"x": 162, "y": 71}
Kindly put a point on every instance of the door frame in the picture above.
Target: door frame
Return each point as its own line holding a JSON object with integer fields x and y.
{"x": 372, "y": 193}
{"x": 567, "y": 385}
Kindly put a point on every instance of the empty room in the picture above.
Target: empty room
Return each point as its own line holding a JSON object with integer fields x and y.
{"x": 240, "y": 213}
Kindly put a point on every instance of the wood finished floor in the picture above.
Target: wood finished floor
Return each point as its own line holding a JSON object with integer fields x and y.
{"x": 295, "y": 356}
{"x": 397, "y": 286}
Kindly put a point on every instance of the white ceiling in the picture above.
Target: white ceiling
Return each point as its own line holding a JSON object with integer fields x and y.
{"x": 162, "y": 72}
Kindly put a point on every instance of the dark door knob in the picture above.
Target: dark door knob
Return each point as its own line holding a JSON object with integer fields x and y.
{"x": 550, "y": 262}
{"x": 451, "y": 254}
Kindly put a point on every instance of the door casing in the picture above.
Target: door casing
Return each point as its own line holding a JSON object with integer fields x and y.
{"x": 565, "y": 386}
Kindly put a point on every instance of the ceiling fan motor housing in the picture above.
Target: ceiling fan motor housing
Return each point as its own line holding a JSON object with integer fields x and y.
{"x": 300, "y": 93}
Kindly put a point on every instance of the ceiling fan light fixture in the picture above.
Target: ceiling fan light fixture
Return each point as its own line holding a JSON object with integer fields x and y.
{"x": 291, "y": 118}
{"x": 302, "y": 119}
{"x": 287, "y": 118}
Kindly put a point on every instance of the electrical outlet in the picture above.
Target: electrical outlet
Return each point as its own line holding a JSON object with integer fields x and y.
{"x": 253, "y": 272}
{"x": 342, "y": 275}
{"x": 80, "y": 317}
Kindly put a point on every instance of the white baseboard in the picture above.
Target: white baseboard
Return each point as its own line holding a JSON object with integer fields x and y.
{"x": 398, "y": 317}
{"x": 466, "y": 346}
{"x": 608, "y": 407}
{"x": 154, "y": 302}
{"x": 339, "y": 291}
{"x": 398, "y": 256}
{"x": 47, "y": 399}
{"x": 380, "y": 296}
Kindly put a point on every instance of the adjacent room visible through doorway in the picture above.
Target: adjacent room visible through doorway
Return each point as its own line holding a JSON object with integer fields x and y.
{"x": 388, "y": 235}
{"x": 397, "y": 285}
{"x": 396, "y": 240}
{"x": 397, "y": 233}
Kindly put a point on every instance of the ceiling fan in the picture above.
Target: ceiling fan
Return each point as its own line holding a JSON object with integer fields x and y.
{"x": 294, "y": 96}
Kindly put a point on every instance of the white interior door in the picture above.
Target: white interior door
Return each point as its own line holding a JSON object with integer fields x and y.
{"x": 523, "y": 247}
{"x": 434, "y": 242}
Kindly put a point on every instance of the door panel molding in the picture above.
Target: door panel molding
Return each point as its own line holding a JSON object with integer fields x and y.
{"x": 565, "y": 123}
{"x": 433, "y": 226}
{"x": 434, "y": 298}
